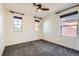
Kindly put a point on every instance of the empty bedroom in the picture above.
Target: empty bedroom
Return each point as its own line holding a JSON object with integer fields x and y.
{"x": 39, "y": 29}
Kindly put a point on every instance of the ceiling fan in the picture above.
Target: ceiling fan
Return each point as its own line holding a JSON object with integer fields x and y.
{"x": 39, "y": 7}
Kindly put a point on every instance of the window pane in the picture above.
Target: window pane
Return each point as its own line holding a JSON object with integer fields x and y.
{"x": 17, "y": 23}
{"x": 18, "y": 26}
{"x": 73, "y": 16}
{"x": 18, "y": 29}
{"x": 69, "y": 31}
{"x": 70, "y": 20}
{"x": 36, "y": 26}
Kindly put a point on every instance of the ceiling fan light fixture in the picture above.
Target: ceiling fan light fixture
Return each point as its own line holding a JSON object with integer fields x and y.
{"x": 39, "y": 7}
{"x": 38, "y": 10}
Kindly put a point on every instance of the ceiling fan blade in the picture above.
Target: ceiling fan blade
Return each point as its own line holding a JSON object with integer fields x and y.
{"x": 34, "y": 4}
{"x": 39, "y": 5}
{"x": 45, "y": 9}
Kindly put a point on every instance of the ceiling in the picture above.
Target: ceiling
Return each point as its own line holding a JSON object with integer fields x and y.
{"x": 29, "y": 9}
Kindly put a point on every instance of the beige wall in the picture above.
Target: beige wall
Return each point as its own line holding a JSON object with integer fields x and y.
{"x": 1, "y": 29}
{"x": 28, "y": 30}
{"x": 51, "y": 31}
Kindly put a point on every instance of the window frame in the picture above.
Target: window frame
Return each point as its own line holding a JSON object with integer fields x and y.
{"x": 18, "y": 18}
{"x": 37, "y": 25}
{"x": 62, "y": 26}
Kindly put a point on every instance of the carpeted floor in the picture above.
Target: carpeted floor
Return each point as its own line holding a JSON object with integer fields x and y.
{"x": 38, "y": 48}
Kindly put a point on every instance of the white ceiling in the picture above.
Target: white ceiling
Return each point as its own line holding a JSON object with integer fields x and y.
{"x": 29, "y": 9}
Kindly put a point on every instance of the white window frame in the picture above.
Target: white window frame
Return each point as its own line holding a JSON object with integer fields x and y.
{"x": 61, "y": 26}
{"x": 36, "y": 25}
{"x": 16, "y": 27}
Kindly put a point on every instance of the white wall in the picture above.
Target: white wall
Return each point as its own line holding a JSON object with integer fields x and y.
{"x": 28, "y": 30}
{"x": 51, "y": 31}
{"x": 50, "y": 28}
{"x": 1, "y": 29}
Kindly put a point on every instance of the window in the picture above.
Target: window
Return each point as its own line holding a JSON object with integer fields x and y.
{"x": 69, "y": 24}
{"x": 36, "y": 25}
{"x": 17, "y": 23}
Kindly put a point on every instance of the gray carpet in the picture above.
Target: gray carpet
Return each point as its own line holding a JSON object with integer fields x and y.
{"x": 38, "y": 48}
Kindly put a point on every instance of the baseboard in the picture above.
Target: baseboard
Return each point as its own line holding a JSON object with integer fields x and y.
{"x": 61, "y": 45}
{"x": 49, "y": 42}
{"x": 2, "y": 51}
{"x": 23, "y": 42}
